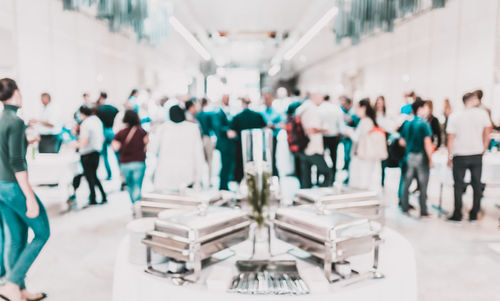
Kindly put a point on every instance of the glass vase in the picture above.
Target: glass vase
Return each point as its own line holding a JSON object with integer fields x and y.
{"x": 257, "y": 155}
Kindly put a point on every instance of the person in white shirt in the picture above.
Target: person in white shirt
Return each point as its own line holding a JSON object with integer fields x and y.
{"x": 333, "y": 120}
{"x": 468, "y": 138}
{"x": 369, "y": 149}
{"x": 310, "y": 115}
{"x": 180, "y": 153}
{"x": 47, "y": 125}
{"x": 90, "y": 145}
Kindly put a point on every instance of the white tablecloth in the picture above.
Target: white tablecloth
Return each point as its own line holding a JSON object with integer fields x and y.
{"x": 397, "y": 263}
{"x": 54, "y": 169}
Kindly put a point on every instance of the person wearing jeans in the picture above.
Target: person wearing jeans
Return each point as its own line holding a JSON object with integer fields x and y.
{"x": 468, "y": 137}
{"x": 416, "y": 135}
{"x": 107, "y": 114}
{"x": 131, "y": 142}
{"x": 90, "y": 145}
{"x": 20, "y": 209}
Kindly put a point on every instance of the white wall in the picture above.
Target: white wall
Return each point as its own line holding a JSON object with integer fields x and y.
{"x": 67, "y": 53}
{"x": 445, "y": 53}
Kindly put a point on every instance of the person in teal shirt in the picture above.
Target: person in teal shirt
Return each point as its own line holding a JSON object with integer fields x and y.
{"x": 20, "y": 208}
{"x": 416, "y": 135}
{"x": 352, "y": 121}
{"x": 273, "y": 119}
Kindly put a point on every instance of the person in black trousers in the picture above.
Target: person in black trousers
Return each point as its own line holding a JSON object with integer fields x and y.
{"x": 435, "y": 125}
{"x": 247, "y": 119}
{"x": 225, "y": 143}
{"x": 468, "y": 136}
{"x": 90, "y": 145}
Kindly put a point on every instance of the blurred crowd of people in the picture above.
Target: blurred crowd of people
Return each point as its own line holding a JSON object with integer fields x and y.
{"x": 317, "y": 131}
{"x": 181, "y": 135}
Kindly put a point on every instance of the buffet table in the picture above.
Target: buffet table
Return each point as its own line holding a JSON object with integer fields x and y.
{"x": 54, "y": 169}
{"x": 397, "y": 263}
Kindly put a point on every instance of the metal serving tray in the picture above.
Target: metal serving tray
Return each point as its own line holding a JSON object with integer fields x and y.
{"x": 193, "y": 238}
{"x": 353, "y": 202}
{"x": 330, "y": 238}
{"x": 266, "y": 277}
{"x": 153, "y": 203}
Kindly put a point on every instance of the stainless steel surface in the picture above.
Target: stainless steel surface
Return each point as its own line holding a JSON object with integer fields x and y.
{"x": 264, "y": 277}
{"x": 152, "y": 203}
{"x": 344, "y": 200}
{"x": 194, "y": 239}
{"x": 329, "y": 238}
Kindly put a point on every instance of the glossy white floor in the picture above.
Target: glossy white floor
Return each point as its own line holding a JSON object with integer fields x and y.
{"x": 454, "y": 261}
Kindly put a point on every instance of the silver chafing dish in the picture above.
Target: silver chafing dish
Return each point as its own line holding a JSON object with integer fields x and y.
{"x": 357, "y": 203}
{"x": 189, "y": 239}
{"x": 152, "y": 203}
{"x": 330, "y": 239}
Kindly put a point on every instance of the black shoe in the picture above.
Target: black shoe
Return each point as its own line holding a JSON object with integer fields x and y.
{"x": 104, "y": 202}
{"x": 454, "y": 218}
{"x": 42, "y": 296}
{"x": 472, "y": 217}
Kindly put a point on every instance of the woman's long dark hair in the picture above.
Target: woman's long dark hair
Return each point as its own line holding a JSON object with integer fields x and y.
{"x": 370, "y": 112}
{"x": 131, "y": 118}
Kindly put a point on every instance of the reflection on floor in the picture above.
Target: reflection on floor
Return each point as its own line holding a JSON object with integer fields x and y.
{"x": 454, "y": 261}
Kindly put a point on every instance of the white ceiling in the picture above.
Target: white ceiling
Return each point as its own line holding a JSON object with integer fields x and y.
{"x": 249, "y": 15}
{"x": 247, "y": 22}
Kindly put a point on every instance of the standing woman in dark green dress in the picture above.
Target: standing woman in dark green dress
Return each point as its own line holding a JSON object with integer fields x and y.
{"x": 20, "y": 209}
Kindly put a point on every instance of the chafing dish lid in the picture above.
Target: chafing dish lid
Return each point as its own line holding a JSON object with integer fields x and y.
{"x": 196, "y": 227}
{"x": 332, "y": 226}
{"x": 332, "y": 195}
{"x": 189, "y": 198}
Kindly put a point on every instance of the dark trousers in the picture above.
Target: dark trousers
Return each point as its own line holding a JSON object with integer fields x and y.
{"x": 461, "y": 164}
{"x": 227, "y": 168}
{"x": 90, "y": 162}
{"x": 332, "y": 143}
{"x": 238, "y": 164}
{"x": 384, "y": 166}
{"x": 275, "y": 168}
{"x": 306, "y": 163}
{"x": 49, "y": 144}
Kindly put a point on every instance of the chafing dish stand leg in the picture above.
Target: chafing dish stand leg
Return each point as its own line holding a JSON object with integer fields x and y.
{"x": 195, "y": 258}
{"x": 328, "y": 262}
{"x": 150, "y": 269}
{"x": 375, "y": 272}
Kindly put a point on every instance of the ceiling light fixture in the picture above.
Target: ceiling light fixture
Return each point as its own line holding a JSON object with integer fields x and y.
{"x": 274, "y": 70}
{"x": 189, "y": 37}
{"x": 307, "y": 37}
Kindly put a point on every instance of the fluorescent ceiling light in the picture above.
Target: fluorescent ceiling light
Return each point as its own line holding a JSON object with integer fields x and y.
{"x": 307, "y": 37}
{"x": 188, "y": 36}
{"x": 274, "y": 70}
